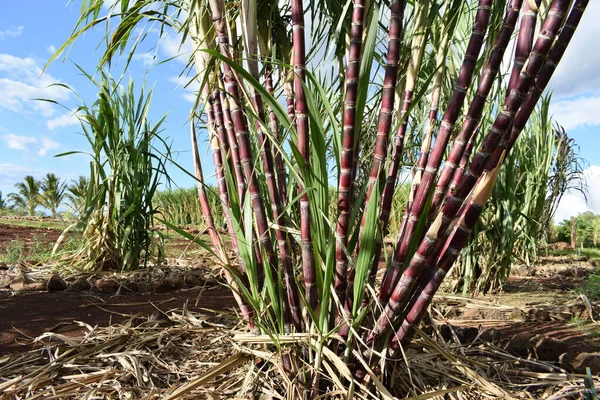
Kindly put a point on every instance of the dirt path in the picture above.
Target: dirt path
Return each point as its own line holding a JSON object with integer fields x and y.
{"x": 26, "y": 315}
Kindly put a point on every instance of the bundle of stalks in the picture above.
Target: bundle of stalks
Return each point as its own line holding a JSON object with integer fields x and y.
{"x": 295, "y": 270}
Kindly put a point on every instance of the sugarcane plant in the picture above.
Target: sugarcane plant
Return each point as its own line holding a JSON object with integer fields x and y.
{"x": 127, "y": 164}
{"x": 351, "y": 75}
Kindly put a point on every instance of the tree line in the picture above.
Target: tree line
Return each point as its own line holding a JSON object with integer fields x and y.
{"x": 50, "y": 193}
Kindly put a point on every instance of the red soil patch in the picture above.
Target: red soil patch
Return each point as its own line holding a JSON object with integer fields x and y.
{"x": 10, "y": 233}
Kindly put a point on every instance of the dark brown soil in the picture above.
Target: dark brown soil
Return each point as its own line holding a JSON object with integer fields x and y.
{"x": 27, "y": 315}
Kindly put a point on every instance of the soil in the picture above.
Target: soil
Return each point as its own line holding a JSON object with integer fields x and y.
{"x": 27, "y": 315}
{"x": 26, "y": 234}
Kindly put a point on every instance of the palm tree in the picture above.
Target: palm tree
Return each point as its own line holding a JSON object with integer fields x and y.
{"x": 53, "y": 192}
{"x": 76, "y": 193}
{"x": 27, "y": 196}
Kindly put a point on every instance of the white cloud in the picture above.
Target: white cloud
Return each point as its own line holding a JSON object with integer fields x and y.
{"x": 62, "y": 121}
{"x": 145, "y": 58}
{"x": 191, "y": 87}
{"x": 51, "y": 49}
{"x": 11, "y": 32}
{"x": 171, "y": 46}
{"x": 28, "y": 144}
{"x": 16, "y": 142}
{"x": 577, "y": 72}
{"x": 47, "y": 145}
{"x": 574, "y": 203}
{"x": 21, "y": 81}
{"x": 582, "y": 111}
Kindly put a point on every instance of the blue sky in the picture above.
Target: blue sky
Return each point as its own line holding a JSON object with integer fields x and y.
{"x": 32, "y": 132}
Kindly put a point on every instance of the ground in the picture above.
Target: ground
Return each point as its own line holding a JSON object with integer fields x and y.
{"x": 546, "y": 301}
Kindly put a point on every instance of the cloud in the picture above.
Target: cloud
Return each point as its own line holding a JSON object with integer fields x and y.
{"x": 47, "y": 145}
{"x": 191, "y": 87}
{"x": 11, "y": 32}
{"x": 145, "y": 58}
{"x": 16, "y": 142}
{"x": 577, "y": 72}
{"x": 574, "y": 203}
{"x": 51, "y": 49}
{"x": 28, "y": 144}
{"x": 171, "y": 46}
{"x": 21, "y": 81}
{"x": 578, "y": 112}
{"x": 62, "y": 121}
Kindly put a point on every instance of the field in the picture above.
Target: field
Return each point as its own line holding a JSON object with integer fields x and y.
{"x": 539, "y": 323}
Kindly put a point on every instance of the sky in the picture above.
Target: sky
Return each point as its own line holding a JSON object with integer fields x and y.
{"x": 32, "y": 132}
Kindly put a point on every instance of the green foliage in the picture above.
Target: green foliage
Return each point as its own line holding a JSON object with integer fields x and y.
{"x": 27, "y": 196}
{"x": 76, "y": 194}
{"x": 587, "y": 226}
{"x": 181, "y": 206}
{"x": 118, "y": 216}
{"x": 52, "y": 193}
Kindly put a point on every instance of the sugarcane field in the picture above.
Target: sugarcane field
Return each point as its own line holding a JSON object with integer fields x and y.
{"x": 320, "y": 199}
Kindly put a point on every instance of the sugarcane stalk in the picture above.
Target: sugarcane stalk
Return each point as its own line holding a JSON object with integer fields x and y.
{"x": 301, "y": 119}
{"x": 232, "y": 140}
{"x": 214, "y": 236}
{"x": 524, "y": 40}
{"x": 250, "y": 41}
{"x": 274, "y": 126}
{"x": 477, "y": 106}
{"x": 384, "y": 123}
{"x": 346, "y": 178}
{"x": 412, "y": 73}
{"x": 432, "y": 117}
{"x": 419, "y": 263}
{"x": 454, "y": 244}
{"x": 513, "y": 102}
{"x": 241, "y": 128}
{"x": 462, "y": 165}
{"x": 465, "y": 76}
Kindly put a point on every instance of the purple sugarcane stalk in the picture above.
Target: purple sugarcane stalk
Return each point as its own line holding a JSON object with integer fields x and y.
{"x": 384, "y": 124}
{"x": 291, "y": 303}
{"x": 417, "y": 49}
{"x": 346, "y": 179}
{"x": 241, "y": 128}
{"x": 513, "y": 102}
{"x": 233, "y": 146}
{"x": 524, "y": 40}
{"x": 404, "y": 289}
{"x": 477, "y": 106}
{"x": 214, "y": 236}
{"x": 274, "y": 126}
{"x": 471, "y": 213}
{"x": 301, "y": 118}
{"x": 462, "y": 165}
{"x": 450, "y": 116}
